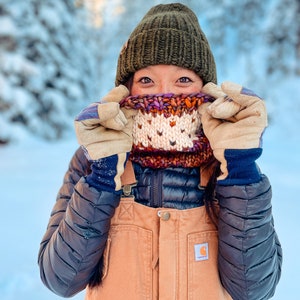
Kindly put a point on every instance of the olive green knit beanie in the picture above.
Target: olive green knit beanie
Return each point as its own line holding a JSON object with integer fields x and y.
{"x": 168, "y": 34}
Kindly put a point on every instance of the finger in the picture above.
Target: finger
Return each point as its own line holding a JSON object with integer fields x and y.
{"x": 256, "y": 112}
{"x": 209, "y": 123}
{"x": 108, "y": 111}
{"x": 116, "y": 94}
{"x": 212, "y": 89}
{"x": 239, "y": 94}
{"x": 116, "y": 123}
{"x": 129, "y": 113}
{"x": 224, "y": 108}
{"x": 202, "y": 109}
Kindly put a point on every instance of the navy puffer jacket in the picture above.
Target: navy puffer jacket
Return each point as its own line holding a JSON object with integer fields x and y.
{"x": 249, "y": 251}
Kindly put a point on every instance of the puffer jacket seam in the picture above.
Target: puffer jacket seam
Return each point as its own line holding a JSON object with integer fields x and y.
{"x": 69, "y": 292}
{"x": 243, "y": 246}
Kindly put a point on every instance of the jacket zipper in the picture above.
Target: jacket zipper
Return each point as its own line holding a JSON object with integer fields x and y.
{"x": 156, "y": 189}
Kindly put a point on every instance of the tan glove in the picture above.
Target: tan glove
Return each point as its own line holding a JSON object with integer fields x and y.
{"x": 103, "y": 129}
{"x": 236, "y": 120}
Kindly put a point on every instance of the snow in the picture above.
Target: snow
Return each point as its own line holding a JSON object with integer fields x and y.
{"x": 32, "y": 172}
{"x": 7, "y": 27}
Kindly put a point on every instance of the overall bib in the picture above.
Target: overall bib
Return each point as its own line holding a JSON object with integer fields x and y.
{"x": 160, "y": 253}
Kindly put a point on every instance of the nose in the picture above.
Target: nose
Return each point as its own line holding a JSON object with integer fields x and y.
{"x": 165, "y": 88}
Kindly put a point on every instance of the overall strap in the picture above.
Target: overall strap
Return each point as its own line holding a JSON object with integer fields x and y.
{"x": 128, "y": 179}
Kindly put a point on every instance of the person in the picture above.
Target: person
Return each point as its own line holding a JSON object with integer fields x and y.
{"x": 164, "y": 199}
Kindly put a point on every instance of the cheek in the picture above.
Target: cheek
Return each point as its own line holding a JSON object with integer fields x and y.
{"x": 136, "y": 90}
{"x": 201, "y": 84}
{"x": 197, "y": 86}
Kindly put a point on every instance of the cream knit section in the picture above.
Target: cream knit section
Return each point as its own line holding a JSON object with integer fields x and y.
{"x": 173, "y": 133}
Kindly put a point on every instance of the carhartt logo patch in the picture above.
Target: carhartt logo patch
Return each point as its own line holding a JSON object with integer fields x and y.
{"x": 201, "y": 251}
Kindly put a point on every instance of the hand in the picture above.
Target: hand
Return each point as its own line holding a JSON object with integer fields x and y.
{"x": 105, "y": 133}
{"x": 103, "y": 129}
{"x": 235, "y": 120}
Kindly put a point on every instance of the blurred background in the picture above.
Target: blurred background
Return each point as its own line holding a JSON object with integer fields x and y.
{"x": 58, "y": 56}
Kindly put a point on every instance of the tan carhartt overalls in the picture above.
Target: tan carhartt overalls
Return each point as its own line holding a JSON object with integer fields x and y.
{"x": 159, "y": 253}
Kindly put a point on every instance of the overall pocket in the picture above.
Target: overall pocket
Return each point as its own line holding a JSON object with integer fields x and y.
{"x": 203, "y": 276}
{"x": 127, "y": 270}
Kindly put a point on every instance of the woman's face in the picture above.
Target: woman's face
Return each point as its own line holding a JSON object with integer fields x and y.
{"x": 163, "y": 79}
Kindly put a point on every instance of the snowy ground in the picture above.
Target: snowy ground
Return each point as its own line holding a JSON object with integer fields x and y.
{"x": 32, "y": 172}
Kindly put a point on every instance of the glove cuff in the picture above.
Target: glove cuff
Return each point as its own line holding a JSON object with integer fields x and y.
{"x": 106, "y": 173}
{"x": 241, "y": 166}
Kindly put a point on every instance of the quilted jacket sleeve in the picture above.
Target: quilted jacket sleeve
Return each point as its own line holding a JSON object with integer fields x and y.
{"x": 77, "y": 231}
{"x": 250, "y": 254}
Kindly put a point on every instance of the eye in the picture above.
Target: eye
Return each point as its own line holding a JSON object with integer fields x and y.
{"x": 145, "y": 80}
{"x": 184, "y": 80}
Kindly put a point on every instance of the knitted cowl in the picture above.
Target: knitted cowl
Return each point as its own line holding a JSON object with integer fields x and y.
{"x": 167, "y": 130}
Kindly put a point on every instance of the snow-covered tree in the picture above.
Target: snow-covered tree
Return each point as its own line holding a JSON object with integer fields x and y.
{"x": 283, "y": 38}
{"x": 114, "y": 21}
{"x": 48, "y": 67}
